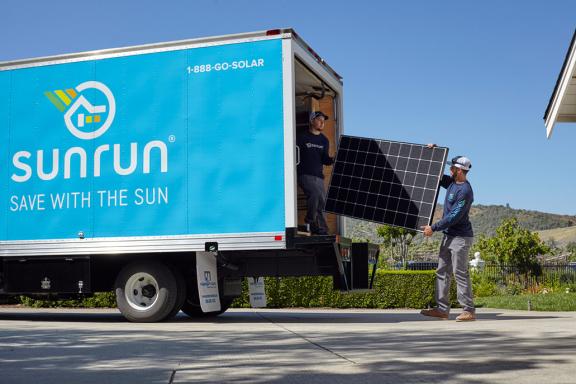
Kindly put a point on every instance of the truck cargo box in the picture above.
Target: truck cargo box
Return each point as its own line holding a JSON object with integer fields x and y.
{"x": 164, "y": 172}
{"x": 158, "y": 148}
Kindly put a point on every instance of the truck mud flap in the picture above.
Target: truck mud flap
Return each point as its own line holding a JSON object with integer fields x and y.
{"x": 257, "y": 292}
{"x": 207, "y": 278}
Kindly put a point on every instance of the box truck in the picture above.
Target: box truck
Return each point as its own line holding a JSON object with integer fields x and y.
{"x": 165, "y": 172}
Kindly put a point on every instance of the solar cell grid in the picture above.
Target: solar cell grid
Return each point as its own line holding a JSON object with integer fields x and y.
{"x": 386, "y": 181}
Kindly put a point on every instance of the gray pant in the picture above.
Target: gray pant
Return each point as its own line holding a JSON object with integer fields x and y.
{"x": 313, "y": 188}
{"x": 453, "y": 258}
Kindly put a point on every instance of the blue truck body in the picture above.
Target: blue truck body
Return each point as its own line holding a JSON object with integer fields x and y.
{"x": 185, "y": 153}
{"x": 122, "y": 167}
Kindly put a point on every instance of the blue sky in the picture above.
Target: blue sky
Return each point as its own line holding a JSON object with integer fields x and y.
{"x": 473, "y": 76}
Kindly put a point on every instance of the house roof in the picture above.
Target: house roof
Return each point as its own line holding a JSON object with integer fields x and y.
{"x": 562, "y": 105}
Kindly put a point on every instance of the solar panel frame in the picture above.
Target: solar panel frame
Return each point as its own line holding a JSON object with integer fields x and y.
{"x": 387, "y": 182}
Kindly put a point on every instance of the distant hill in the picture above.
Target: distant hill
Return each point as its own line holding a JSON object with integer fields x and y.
{"x": 485, "y": 219}
{"x": 561, "y": 236}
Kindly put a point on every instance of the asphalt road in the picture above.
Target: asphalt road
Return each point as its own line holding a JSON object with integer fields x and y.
{"x": 287, "y": 346}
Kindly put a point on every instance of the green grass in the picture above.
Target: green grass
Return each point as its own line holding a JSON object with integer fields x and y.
{"x": 539, "y": 302}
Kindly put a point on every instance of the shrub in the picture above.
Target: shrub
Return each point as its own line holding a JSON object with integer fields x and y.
{"x": 514, "y": 289}
{"x": 483, "y": 285}
{"x": 98, "y": 300}
{"x": 392, "y": 289}
{"x": 514, "y": 245}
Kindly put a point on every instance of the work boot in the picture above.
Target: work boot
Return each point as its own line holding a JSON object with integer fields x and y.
{"x": 434, "y": 312}
{"x": 304, "y": 228}
{"x": 466, "y": 316}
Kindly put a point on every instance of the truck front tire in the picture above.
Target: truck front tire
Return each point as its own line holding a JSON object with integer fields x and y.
{"x": 147, "y": 292}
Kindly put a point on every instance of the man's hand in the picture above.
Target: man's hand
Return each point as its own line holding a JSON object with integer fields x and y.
{"x": 427, "y": 230}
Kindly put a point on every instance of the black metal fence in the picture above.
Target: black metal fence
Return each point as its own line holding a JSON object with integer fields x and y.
{"x": 549, "y": 274}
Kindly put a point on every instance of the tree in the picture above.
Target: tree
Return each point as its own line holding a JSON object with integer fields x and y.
{"x": 398, "y": 239}
{"x": 513, "y": 246}
{"x": 571, "y": 248}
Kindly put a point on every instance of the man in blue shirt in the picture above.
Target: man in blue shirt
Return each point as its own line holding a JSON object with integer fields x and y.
{"x": 458, "y": 236}
{"x": 314, "y": 155}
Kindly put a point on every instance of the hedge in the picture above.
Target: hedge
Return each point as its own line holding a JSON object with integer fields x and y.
{"x": 392, "y": 289}
{"x": 98, "y": 300}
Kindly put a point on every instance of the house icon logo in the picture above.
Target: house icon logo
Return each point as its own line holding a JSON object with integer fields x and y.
{"x": 84, "y": 119}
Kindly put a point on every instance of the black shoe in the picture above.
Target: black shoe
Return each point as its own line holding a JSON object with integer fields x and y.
{"x": 304, "y": 228}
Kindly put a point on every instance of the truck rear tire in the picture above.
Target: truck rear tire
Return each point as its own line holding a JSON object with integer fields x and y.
{"x": 181, "y": 293}
{"x": 191, "y": 305}
{"x": 146, "y": 291}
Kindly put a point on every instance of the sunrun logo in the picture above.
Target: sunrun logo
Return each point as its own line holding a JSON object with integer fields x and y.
{"x": 62, "y": 100}
{"x": 89, "y": 111}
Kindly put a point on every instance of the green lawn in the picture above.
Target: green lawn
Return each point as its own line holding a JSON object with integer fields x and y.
{"x": 547, "y": 302}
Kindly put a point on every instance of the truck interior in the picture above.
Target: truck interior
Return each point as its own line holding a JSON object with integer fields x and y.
{"x": 312, "y": 94}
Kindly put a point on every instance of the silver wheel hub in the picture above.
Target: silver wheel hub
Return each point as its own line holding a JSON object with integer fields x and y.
{"x": 141, "y": 291}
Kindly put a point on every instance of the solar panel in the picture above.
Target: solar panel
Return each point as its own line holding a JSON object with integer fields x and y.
{"x": 387, "y": 182}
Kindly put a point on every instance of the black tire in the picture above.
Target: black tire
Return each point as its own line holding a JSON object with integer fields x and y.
{"x": 181, "y": 293}
{"x": 191, "y": 305}
{"x": 146, "y": 291}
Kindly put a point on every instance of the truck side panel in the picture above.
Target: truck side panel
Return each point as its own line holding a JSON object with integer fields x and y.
{"x": 236, "y": 142}
{"x": 4, "y": 121}
{"x": 37, "y": 126}
{"x": 153, "y": 90}
{"x": 145, "y": 145}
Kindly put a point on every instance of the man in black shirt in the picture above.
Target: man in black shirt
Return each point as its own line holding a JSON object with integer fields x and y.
{"x": 313, "y": 147}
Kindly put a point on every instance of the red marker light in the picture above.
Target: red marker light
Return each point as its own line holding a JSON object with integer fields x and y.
{"x": 277, "y": 238}
{"x": 273, "y": 32}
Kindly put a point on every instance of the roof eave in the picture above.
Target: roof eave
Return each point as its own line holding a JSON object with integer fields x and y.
{"x": 551, "y": 113}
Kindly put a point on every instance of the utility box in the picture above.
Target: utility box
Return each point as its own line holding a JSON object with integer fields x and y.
{"x": 69, "y": 275}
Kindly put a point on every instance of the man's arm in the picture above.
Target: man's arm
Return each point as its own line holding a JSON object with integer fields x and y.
{"x": 454, "y": 216}
{"x": 445, "y": 181}
{"x": 326, "y": 159}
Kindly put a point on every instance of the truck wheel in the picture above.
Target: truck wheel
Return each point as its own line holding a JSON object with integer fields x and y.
{"x": 181, "y": 293}
{"x": 146, "y": 292}
{"x": 192, "y": 307}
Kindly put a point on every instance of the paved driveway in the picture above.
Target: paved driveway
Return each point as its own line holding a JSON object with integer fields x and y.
{"x": 287, "y": 346}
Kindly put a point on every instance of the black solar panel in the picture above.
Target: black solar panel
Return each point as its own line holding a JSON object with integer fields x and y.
{"x": 386, "y": 181}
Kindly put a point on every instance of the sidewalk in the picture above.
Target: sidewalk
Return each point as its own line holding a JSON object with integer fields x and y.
{"x": 288, "y": 346}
